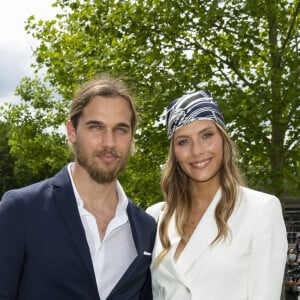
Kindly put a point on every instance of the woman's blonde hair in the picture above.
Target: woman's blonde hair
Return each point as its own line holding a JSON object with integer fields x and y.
{"x": 175, "y": 188}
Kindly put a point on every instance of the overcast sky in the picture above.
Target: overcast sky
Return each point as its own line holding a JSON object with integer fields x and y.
{"x": 15, "y": 44}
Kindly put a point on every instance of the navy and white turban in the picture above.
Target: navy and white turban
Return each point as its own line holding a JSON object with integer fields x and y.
{"x": 192, "y": 107}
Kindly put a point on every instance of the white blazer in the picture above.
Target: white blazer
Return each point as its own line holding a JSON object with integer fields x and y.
{"x": 249, "y": 267}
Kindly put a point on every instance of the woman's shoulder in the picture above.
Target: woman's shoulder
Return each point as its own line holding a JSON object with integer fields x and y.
{"x": 155, "y": 209}
{"x": 257, "y": 198}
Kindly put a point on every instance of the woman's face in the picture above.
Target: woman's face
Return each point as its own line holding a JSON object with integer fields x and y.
{"x": 198, "y": 148}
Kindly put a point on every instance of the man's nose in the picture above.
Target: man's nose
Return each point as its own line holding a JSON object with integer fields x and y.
{"x": 108, "y": 138}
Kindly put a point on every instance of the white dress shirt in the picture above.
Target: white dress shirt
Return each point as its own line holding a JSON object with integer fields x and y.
{"x": 113, "y": 255}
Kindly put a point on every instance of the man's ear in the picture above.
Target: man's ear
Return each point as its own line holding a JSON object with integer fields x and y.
{"x": 71, "y": 132}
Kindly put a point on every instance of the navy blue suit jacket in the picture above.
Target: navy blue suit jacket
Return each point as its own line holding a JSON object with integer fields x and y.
{"x": 44, "y": 254}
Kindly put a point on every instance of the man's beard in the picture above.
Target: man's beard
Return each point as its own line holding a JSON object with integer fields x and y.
{"x": 98, "y": 174}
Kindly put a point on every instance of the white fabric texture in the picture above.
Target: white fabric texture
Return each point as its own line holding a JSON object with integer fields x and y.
{"x": 114, "y": 254}
{"x": 249, "y": 267}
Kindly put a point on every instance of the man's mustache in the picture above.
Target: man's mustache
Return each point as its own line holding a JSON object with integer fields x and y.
{"x": 113, "y": 153}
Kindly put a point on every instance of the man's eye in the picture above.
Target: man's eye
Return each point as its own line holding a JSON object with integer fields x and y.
{"x": 121, "y": 129}
{"x": 95, "y": 126}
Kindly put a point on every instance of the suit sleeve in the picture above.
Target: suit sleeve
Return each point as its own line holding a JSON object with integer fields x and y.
{"x": 268, "y": 252}
{"x": 11, "y": 245}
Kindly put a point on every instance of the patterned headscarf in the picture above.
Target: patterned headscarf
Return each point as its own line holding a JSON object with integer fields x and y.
{"x": 192, "y": 107}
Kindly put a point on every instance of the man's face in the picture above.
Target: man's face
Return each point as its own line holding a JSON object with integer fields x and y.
{"x": 103, "y": 137}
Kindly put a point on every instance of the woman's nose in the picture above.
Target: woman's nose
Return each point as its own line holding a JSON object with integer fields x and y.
{"x": 198, "y": 147}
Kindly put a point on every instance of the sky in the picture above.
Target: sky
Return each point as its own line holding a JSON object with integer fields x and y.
{"x": 16, "y": 45}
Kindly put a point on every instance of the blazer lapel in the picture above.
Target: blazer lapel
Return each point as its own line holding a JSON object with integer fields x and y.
{"x": 136, "y": 228}
{"x": 65, "y": 199}
{"x": 202, "y": 237}
{"x": 138, "y": 237}
{"x": 168, "y": 265}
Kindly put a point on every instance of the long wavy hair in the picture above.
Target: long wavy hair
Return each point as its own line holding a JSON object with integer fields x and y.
{"x": 175, "y": 185}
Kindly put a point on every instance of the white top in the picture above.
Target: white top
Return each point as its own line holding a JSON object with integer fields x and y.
{"x": 113, "y": 255}
{"x": 250, "y": 267}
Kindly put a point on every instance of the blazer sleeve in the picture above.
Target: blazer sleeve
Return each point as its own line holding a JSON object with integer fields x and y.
{"x": 268, "y": 252}
{"x": 12, "y": 245}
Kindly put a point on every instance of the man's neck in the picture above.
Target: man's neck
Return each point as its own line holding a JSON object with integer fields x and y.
{"x": 94, "y": 194}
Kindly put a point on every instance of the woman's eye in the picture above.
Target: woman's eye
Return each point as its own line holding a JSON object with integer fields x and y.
{"x": 182, "y": 142}
{"x": 206, "y": 136}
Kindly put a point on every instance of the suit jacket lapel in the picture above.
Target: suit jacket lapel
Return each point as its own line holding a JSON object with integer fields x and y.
{"x": 136, "y": 229}
{"x": 65, "y": 199}
{"x": 168, "y": 265}
{"x": 137, "y": 233}
{"x": 202, "y": 237}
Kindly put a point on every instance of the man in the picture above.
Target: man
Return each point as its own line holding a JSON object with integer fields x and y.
{"x": 77, "y": 236}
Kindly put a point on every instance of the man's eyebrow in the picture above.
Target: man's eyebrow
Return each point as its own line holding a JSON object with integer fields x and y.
{"x": 93, "y": 122}
{"x": 121, "y": 124}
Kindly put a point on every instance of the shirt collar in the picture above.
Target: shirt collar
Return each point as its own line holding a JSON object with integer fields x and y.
{"x": 121, "y": 210}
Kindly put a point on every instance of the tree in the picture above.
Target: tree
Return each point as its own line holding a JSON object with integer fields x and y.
{"x": 245, "y": 52}
{"x": 37, "y": 145}
{"x": 7, "y": 178}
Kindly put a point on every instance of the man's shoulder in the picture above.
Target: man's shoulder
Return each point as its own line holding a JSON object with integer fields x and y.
{"x": 138, "y": 211}
{"x": 27, "y": 193}
{"x": 29, "y": 189}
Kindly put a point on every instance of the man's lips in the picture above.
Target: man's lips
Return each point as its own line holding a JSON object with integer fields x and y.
{"x": 107, "y": 156}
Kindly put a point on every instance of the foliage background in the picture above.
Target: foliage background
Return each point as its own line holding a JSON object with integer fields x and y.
{"x": 246, "y": 53}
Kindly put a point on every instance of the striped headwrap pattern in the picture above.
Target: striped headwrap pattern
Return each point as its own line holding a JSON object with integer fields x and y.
{"x": 192, "y": 107}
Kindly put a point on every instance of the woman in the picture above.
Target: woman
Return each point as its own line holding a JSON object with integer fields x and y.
{"x": 216, "y": 238}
